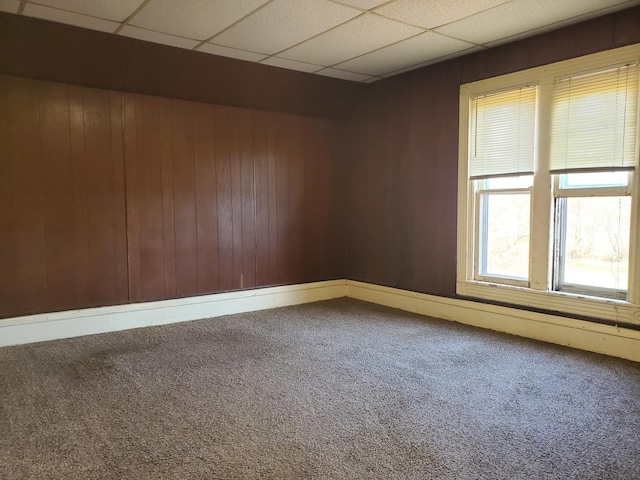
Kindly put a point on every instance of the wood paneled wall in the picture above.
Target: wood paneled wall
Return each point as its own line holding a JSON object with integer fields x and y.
{"x": 62, "y": 199}
{"x": 110, "y": 197}
{"x": 221, "y": 198}
{"x": 404, "y": 154}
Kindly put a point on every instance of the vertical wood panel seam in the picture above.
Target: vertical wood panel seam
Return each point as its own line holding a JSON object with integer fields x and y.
{"x": 195, "y": 197}
{"x": 42, "y": 199}
{"x": 113, "y": 191}
{"x": 133, "y": 101}
{"x": 215, "y": 185}
{"x": 215, "y": 119}
{"x": 173, "y": 203}
{"x": 255, "y": 199}
{"x": 233, "y": 222}
{"x": 278, "y": 255}
{"x": 86, "y": 181}
{"x": 75, "y": 236}
{"x": 126, "y": 196}
{"x": 11, "y": 175}
{"x": 162, "y": 227}
{"x": 239, "y": 159}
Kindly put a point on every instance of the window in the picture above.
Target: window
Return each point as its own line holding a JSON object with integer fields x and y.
{"x": 548, "y": 213}
{"x": 592, "y": 233}
{"x": 504, "y": 229}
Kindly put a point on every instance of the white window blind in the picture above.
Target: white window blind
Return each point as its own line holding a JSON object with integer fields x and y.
{"x": 502, "y": 133}
{"x": 594, "y": 120}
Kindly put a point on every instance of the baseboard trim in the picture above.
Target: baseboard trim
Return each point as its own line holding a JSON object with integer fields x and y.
{"x": 609, "y": 340}
{"x": 89, "y": 321}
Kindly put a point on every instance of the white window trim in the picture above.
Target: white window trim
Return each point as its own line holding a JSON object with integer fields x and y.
{"x": 538, "y": 295}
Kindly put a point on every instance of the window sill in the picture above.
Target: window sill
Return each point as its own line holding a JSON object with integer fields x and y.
{"x": 616, "y": 311}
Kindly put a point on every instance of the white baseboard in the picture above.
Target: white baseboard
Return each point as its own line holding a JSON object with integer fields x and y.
{"x": 609, "y": 340}
{"x": 74, "y": 323}
{"x": 590, "y": 336}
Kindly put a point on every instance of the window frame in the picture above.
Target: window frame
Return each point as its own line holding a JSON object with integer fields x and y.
{"x": 539, "y": 292}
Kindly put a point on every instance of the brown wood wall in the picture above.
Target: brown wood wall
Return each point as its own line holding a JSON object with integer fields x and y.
{"x": 62, "y": 205}
{"x": 404, "y": 153}
{"x": 222, "y": 198}
{"x": 110, "y": 197}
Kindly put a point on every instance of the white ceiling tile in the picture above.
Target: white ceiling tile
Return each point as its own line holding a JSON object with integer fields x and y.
{"x": 230, "y": 52}
{"x": 412, "y": 51}
{"x": 156, "y": 37}
{"x": 110, "y": 10}
{"x": 10, "y": 6}
{"x": 291, "y": 64}
{"x": 70, "y": 18}
{"x": 199, "y": 19}
{"x": 433, "y": 13}
{"x": 341, "y": 74}
{"x": 361, "y": 35}
{"x": 364, "y": 4}
{"x": 560, "y": 24}
{"x": 284, "y": 23}
{"x": 521, "y": 16}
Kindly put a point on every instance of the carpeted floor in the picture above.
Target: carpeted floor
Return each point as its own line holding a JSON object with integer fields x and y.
{"x": 332, "y": 390}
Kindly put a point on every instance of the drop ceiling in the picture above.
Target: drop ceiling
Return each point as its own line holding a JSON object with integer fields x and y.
{"x": 357, "y": 40}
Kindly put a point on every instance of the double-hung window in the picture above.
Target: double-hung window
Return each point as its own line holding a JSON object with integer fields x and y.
{"x": 548, "y": 213}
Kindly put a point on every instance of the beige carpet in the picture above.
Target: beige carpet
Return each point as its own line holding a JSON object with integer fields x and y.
{"x": 333, "y": 390}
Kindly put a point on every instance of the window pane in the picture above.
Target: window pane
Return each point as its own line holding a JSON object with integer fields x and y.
{"x": 524, "y": 181}
{"x": 596, "y": 249}
{"x": 504, "y": 239}
{"x": 595, "y": 179}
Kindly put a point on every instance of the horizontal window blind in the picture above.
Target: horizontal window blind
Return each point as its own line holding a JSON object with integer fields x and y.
{"x": 502, "y": 133}
{"x": 594, "y": 120}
